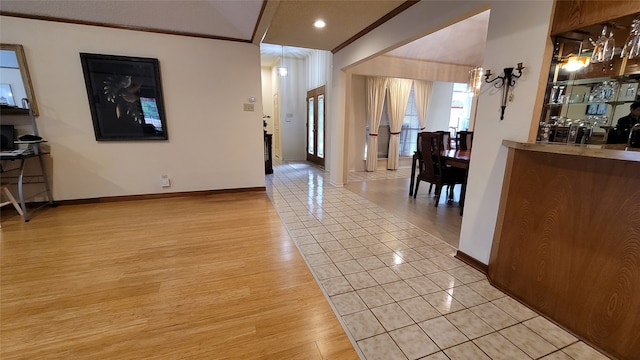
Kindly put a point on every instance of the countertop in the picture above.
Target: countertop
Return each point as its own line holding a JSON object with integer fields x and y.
{"x": 606, "y": 151}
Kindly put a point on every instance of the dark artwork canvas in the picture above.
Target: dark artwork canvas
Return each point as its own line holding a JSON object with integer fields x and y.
{"x": 125, "y": 97}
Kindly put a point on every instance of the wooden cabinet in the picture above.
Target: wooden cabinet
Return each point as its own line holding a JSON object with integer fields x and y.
{"x": 595, "y": 97}
{"x": 566, "y": 242}
{"x": 574, "y": 14}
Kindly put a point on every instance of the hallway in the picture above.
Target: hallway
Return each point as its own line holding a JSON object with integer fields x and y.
{"x": 396, "y": 287}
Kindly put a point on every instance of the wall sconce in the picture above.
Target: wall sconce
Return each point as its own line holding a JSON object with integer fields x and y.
{"x": 505, "y": 82}
{"x": 475, "y": 80}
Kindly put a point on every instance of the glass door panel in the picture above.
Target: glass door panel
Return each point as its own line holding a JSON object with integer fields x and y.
{"x": 321, "y": 126}
{"x": 310, "y": 126}
{"x": 316, "y": 125}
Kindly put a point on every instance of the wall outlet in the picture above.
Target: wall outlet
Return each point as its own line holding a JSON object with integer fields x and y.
{"x": 164, "y": 181}
{"x": 248, "y": 107}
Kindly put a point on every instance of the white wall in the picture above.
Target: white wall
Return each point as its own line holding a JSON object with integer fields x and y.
{"x": 518, "y": 32}
{"x": 318, "y": 65}
{"x": 266, "y": 76}
{"x": 293, "y": 92}
{"x": 523, "y": 28}
{"x": 303, "y": 75}
{"x": 357, "y": 124}
{"x": 213, "y": 143}
{"x": 439, "y": 110}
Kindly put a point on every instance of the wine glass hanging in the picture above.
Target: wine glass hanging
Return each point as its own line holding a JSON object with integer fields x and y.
{"x": 603, "y": 47}
{"x": 631, "y": 47}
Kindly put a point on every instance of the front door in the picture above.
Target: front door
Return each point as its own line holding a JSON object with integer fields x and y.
{"x": 316, "y": 125}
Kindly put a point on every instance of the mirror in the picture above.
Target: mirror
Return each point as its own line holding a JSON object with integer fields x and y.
{"x": 15, "y": 82}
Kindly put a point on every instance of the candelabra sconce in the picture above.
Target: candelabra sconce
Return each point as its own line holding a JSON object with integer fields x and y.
{"x": 506, "y": 81}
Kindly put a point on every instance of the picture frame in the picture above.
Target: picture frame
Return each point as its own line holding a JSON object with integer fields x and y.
{"x": 573, "y": 133}
{"x": 125, "y": 97}
{"x": 596, "y": 109}
{"x": 628, "y": 92}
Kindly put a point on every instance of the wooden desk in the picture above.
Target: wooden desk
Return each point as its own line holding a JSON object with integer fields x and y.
{"x": 458, "y": 159}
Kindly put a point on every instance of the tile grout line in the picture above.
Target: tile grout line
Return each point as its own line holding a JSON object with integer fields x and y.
{"x": 299, "y": 201}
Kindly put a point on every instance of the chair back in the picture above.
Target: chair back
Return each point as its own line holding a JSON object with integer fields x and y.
{"x": 418, "y": 146}
{"x": 445, "y": 139}
{"x": 431, "y": 147}
{"x": 464, "y": 140}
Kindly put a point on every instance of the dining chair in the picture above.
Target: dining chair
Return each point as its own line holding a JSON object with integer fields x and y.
{"x": 445, "y": 143}
{"x": 445, "y": 139}
{"x": 416, "y": 161}
{"x": 434, "y": 170}
{"x": 464, "y": 140}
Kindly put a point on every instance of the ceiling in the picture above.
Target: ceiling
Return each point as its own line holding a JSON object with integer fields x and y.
{"x": 276, "y": 22}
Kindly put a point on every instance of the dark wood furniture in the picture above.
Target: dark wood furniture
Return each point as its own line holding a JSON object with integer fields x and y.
{"x": 459, "y": 159}
{"x": 445, "y": 143}
{"x": 435, "y": 171}
{"x": 416, "y": 161}
{"x": 464, "y": 140}
{"x": 566, "y": 241}
{"x": 268, "y": 155}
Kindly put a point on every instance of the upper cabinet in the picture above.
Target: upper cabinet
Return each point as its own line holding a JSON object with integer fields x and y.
{"x": 586, "y": 91}
{"x": 570, "y": 15}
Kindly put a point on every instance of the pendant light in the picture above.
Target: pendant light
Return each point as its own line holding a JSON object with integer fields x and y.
{"x": 282, "y": 70}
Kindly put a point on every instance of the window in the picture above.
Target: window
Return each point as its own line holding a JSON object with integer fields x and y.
{"x": 460, "y": 108}
{"x": 408, "y": 134}
{"x": 410, "y": 128}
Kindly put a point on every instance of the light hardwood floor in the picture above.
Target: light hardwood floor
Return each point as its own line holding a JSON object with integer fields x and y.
{"x": 207, "y": 277}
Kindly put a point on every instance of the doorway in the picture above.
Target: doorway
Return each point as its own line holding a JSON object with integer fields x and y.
{"x": 316, "y": 125}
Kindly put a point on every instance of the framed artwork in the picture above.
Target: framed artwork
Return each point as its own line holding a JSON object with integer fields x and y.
{"x": 125, "y": 97}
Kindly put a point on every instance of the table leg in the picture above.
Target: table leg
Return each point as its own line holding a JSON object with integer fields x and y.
{"x": 25, "y": 213}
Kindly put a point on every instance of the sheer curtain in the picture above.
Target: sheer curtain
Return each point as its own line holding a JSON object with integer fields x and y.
{"x": 376, "y": 88}
{"x": 422, "y": 93}
{"x": 399, "y": 90}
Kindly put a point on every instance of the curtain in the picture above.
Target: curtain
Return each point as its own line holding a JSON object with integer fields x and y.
{"x": 422, "y": 93}
{"x": 376, "y": 87}
{"x": 399, "y": 90}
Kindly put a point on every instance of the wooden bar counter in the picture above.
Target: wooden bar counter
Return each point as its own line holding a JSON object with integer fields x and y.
{"x": 567, "y": 240}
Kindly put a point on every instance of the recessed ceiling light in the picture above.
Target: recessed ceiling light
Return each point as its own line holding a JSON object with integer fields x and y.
{"x": 319, "y": 24}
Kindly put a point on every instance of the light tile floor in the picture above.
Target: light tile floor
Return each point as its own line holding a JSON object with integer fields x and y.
{"x": 398, "y": 290}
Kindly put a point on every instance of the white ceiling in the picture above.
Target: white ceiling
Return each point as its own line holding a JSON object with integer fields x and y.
{"x": 276, "y": 22}
{"x": 462, "y": 43}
